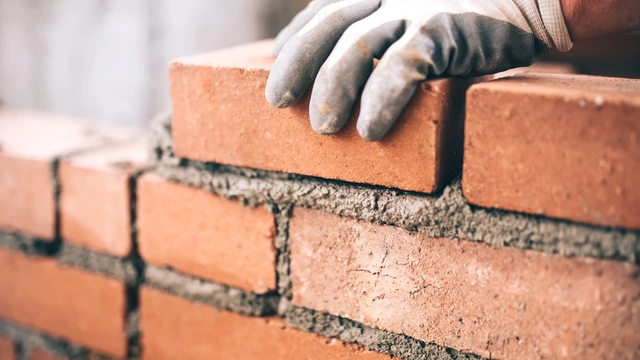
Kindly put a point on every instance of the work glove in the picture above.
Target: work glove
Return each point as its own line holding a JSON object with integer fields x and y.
{"x": 335, "y": 42}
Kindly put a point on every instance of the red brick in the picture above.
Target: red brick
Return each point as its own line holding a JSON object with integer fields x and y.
{"x": 29, "y": 142}
{"x": 202, "y": 234}
{"x": 175, "y": 328}
{"x": 83, "y": 308}
{"x": 7, "y": 349}
{"x": 95, "y": 197}
{"x": 220, "y": 114}
{"x": 40, "y": 354}
{"x": 495, "y": 302}
{"x": 556, "y": 145}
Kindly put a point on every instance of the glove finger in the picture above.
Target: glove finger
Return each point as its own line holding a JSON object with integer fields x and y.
{"x": 301, "y": 57}
{"x": 345, "y": 72}
{"x": 393, "y": 82}
{"x": 298, "y": 22}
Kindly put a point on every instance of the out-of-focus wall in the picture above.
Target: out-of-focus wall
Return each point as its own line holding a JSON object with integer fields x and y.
{"x": 106, "y": 60}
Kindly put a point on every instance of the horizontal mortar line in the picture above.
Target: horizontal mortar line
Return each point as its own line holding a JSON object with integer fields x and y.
{"x": 390, "y": 343}
{"x": 206, "y": 292}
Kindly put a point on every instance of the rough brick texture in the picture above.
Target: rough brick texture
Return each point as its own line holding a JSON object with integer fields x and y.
{"x": 6, "y": 349}
{"x": 84, "y": 308}
{"x": 555, "y": 145}
{"x": 175, "y": 328}
{"x": 495, "y": 302}
{"x": 41, "y": 354}
{"x": 201, "y": 234}
{"x": 95, "y": 197}
{"x": 221, "y": 115}
{"x": 29, "y": 143}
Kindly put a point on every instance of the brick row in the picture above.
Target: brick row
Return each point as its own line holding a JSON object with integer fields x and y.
{"x": 29, "y": 143}
{"x": 220, "y": 115}
{"x": 83, "y": 308}
{"x": 175, "y": 328}
{"x": 563, "y": 146}
{"x": 495, "y": 302}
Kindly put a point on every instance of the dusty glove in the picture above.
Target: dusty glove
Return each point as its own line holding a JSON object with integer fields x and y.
{"x": 335, "y": 42}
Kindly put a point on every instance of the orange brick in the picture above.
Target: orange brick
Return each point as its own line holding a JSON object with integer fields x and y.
{"x": 174, "y": 328}
{"x": 495, "y": 302}
{"x": 220, "y": 114}
{"x": 95, "y": 197}
{"x": 29, "y": 142}
{"x": 7, "y": 349}
{"x": 556, "y": 145}
{"x": 40, "y": 354}
{"x": 83, "y": 308}
{"x": 201, "y": 234}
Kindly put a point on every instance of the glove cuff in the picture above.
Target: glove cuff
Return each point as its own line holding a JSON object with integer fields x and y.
{"x": 554, "y": 23}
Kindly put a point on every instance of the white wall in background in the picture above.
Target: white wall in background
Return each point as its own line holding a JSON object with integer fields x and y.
{"x": 106, "y": 60}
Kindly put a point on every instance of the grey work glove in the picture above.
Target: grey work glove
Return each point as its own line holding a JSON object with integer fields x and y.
{"x": 335, "y": 42}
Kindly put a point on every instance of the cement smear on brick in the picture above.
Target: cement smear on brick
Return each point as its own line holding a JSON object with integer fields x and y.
{"x": 103, "y": 264}
{"x": 378, "y": 340}
{"x": 439, "y": 215}
{"x": 217, "y": 295}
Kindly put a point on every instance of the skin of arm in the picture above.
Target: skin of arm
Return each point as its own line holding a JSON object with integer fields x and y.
{"x": 590, "y": 19}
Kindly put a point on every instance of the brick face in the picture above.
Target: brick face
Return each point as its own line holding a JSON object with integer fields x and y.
{"x": 496, "y": 302}
{"x": 201, "y": 234}
{"x": 555, "y": 145}
{"x": 95, "y": 197}
{"x": 29, "y": 142}
{"x": 174, "y": 328}
{"x": 7, "y": 349}
{"x": 83, "y": 308}
{"x": 41, "y": 354}
{"x": 220, "y": 114}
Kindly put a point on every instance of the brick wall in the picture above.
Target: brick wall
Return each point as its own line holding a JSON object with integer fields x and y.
{"x": 223, "y": 234}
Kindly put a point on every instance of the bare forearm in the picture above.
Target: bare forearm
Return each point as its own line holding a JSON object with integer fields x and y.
{"x": 589, "y": 19}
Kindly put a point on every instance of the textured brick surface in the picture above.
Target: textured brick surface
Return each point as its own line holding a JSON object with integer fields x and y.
{"x": 175, "y": 328}
{"x": 83, "y": 308}
{"x": 29, "y": 142}
{"x": 95, "y": 197}
{"x": 556, "y": 145}
{"x": 6, "y": 349}
{"x": 495, "y": 302}
{"x": 41, "y": 354}
{"x": 201, "y": 234}
{"x": 221, "y": 115}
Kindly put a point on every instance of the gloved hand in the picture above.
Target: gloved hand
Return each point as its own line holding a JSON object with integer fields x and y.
{"x": 335, "y": 42}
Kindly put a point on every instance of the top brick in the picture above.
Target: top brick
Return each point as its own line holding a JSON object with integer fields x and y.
{"x": 29, "y": 143}
{"x": 220, "y": 115}
{"x": 564, "y": 146}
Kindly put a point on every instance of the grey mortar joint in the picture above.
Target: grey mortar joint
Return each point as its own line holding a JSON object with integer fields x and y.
{"x": 209, "y": 293}
{"x": 378, "y": 340}
{"x": 100, "y": 263}
{"x": 283, "y": 252}
{"x": 27, "y": 245}
{"x": 443, "y": 215}
{"x": 28, "y": 340}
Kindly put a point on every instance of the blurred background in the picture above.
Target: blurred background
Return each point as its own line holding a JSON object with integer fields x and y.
{"x": 106, "y": 60}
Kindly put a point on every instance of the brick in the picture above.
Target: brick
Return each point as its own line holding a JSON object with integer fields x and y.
{"x": 556, "y": 145}
{"x": 201, "y": 234}
{"x": 41, "y": 354}
{"x": 220, "y": 115}
{"x": 29, "y": 142}
{"x": 495, "y": 302}
{"x": 7, "y": 349}
{"x": 175, "y": 328}
{"x": 95, "y": 197}
{"x": 83, "y": 308}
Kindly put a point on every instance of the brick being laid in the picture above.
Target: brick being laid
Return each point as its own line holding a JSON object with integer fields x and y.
{"x": 30, "y": 145}
{"x": 563, "y": 146}
{"x": 220, "y": 115}
{"x": 175, "y": 328}
{"x": 491, "y": 301}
